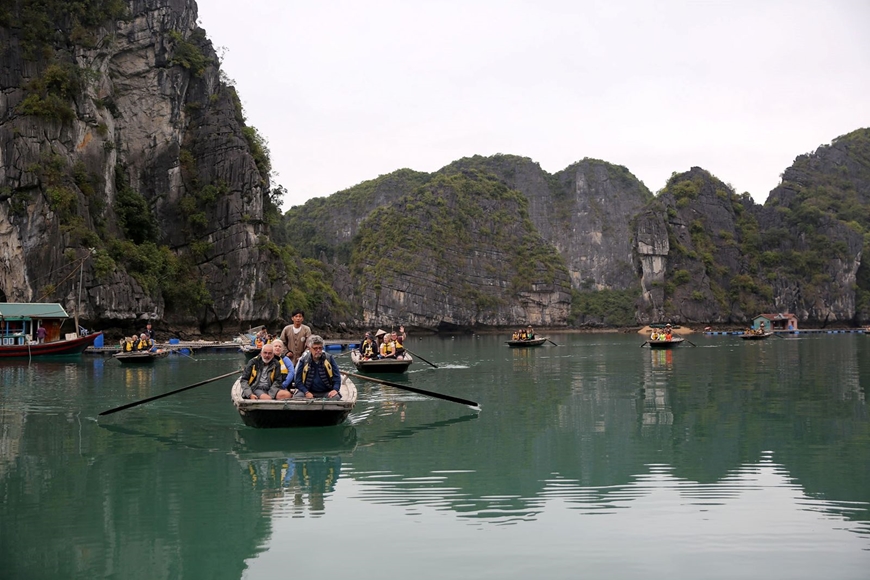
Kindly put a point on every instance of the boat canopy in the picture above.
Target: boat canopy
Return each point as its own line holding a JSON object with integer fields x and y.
{"x": 27, "y": 311}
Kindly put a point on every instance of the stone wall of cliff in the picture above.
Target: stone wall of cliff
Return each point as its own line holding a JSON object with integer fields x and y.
{"x": 708, "y": 255}
{"x": 117, "y": 122}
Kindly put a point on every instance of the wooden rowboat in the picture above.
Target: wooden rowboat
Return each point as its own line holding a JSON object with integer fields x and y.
{"x": 250, "y": 351}
{"x": 381, "y": 365}
{"x": 140, "y": 356}
{"x": 522, "y": 343}
{"x": 295, "y": 412}
{"x": 756, "y": 336}
{"x": 665, "y": 344}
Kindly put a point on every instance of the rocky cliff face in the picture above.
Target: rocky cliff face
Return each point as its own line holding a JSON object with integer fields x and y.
{"x": 117, "y": 122}
{"x": 708, "y": 255}
{"x": 460, "y": 252}
{"x": 584, "y": 211}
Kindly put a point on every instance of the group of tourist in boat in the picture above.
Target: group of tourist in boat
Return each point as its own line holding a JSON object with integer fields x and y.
{"x": 659, "y": 334}
{"x": 754, "y": 331}
{"x": 527, "y": 333}
{"x": 292, "y": 366}
{"x": 143, "y": 342}
{"x": 383, "y": 344}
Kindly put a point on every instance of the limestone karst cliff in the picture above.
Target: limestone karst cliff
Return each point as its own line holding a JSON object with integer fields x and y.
{"x": 125, "y": 151}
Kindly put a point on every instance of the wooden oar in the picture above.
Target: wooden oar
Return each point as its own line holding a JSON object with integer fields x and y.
{"x": 154, "y": 398}
{"x": 421, "y": 358}
{"x": 690, "y": 342}
{"x": 644, "y": 344}
{"x": 471, "y": 404}
{"x": 551, "y": 342}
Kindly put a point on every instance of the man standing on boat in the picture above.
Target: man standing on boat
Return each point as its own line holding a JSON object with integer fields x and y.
{"x": 295, "y": 336}
{"x": 317, "y": 374}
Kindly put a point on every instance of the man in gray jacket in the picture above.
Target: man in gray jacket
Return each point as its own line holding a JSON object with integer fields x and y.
{"x": 261, "y": 378}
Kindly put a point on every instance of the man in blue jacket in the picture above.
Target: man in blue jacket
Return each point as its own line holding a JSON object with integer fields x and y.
{"x": 317, "y": 373}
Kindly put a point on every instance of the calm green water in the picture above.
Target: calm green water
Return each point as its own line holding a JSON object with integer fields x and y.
{"x": 593, "y": 459}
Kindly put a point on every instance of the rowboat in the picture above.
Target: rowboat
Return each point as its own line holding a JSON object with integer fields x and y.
{"x": 250, "y": 351}
{"x": 665, "y": 344}
{"x": 381, "y": 365}
{"x": 528, "y": 342}
{"x": 320, "y": 412}
{"x": 753, "y": 336}
{"x": 140, "y": 356}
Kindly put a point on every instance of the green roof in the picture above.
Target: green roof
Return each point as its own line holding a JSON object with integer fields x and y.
{"x": 33, "y": 310}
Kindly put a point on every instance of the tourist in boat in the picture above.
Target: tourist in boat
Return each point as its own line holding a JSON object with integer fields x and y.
{"x": 394, "y": 338}
{"x": 317, "y": 374}
{"x": 668, "y": 335}
{"x": 380, "y": 336}
{"x": 399, "y": 347}
{"x": 530, "y": 333}
{"x": 295, "y": 335}
{"x": 368, "y": 349}
{"x": 287, "y": 370}
{"x": 144, "y": 343}
{"x": 261, "y": 378}
{"x": 388, "y": 347}
{"x": 654, "y": 335}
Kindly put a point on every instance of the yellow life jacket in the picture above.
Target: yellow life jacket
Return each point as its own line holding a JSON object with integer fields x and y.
{"x": 254, "y": 374}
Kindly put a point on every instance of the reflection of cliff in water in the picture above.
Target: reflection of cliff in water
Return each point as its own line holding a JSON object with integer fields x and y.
{"x": 127, "y": 503}
{"x": 703, "y": 427}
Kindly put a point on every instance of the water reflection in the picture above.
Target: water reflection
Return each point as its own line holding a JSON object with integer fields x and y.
{"x": 741, "y": 443}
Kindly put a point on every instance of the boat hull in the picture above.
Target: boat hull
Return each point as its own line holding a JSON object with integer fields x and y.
{"x": 72, "y": 347}
{"x": 526, "y": 343}
{"x": 295, "y": 412}
{"x": 139, "y": 358}
{"x": 665, "y": 344}
{"x": 756, "y": 336}
{"x": 383, "y": 365}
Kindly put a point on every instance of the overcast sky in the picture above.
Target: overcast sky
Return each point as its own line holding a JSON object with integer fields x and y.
{"x": 345, "y": 91}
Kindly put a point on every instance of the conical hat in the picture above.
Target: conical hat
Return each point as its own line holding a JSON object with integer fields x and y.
{"x": 380, "y": 332}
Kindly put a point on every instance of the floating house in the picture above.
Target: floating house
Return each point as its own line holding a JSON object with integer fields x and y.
{"x": 19, "y": 322}
{"x": 780, "y": 322}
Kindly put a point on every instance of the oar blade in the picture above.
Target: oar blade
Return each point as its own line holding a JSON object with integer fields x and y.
{"x": 432, "y": 394}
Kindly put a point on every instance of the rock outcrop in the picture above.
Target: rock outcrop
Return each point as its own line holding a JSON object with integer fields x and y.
{"x": 121, "y": 118}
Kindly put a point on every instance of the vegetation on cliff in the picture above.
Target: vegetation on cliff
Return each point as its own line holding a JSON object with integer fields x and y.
{"x": 469, "y": 234}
